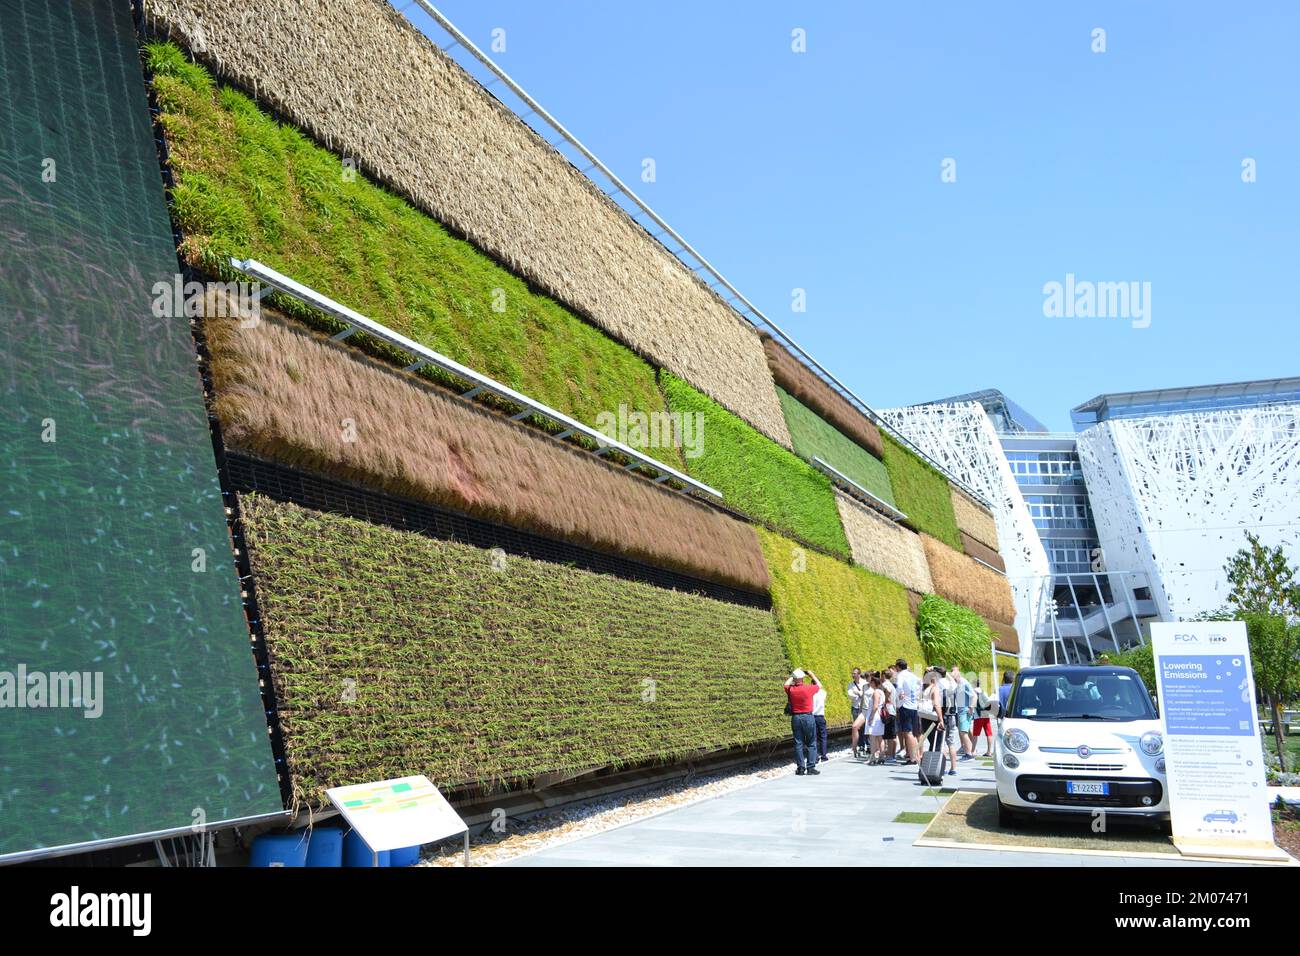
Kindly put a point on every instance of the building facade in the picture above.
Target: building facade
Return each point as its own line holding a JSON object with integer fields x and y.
{"x": 1177, "y": 477}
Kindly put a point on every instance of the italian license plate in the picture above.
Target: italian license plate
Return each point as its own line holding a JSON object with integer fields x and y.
{"x": 1095, "y": 788}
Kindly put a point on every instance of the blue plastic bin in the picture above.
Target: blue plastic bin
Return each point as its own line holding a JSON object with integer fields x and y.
{"x": 404, "y": 856}
{"x": 326, "y": 847}
{"x": 279, "y": 849}
{"x": 357, "y": 852}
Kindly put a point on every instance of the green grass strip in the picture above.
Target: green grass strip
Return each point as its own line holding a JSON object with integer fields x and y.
{"x": 836, "y": 616}
{"x": 755, "y": 474}
{"x": 395, "y": 654}
{"x": 921, "y": 493}
{"x": 248, "y": 186}
{"x": 813, "y": 436}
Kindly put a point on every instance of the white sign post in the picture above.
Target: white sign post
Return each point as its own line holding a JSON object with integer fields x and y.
{"x": 1218, "y": 794}
{"x": 392, "y": 814}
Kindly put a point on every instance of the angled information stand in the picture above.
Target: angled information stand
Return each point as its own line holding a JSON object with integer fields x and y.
{"x": 391, "y": 814}
{"x": 1218, "y": 796}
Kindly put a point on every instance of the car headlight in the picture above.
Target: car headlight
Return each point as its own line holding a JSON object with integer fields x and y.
{"x": 1016, "y": 741}
{"x": 1010, "y": 761}
{"x": 1152, "y": 743}
{"x": 1160, "y": 764}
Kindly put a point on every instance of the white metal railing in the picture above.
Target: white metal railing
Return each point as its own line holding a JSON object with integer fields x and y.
{"x": 480, "y": 384}
{"x": 857, "y": 491}
{"x": 749, "y": 313}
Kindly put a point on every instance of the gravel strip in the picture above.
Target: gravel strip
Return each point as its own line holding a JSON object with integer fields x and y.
{"x": 553, "y": 828}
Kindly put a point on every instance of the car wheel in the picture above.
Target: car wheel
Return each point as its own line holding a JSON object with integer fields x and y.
{"x": 1008, "y": 818}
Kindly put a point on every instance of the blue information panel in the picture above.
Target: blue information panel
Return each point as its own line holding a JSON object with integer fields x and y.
{"x": 1206, "y": 694}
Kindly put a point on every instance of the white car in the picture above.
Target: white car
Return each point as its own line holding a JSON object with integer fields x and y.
{"x": 1076, "y": 739}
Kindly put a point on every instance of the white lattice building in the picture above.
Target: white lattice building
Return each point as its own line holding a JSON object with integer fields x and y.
{"x": 961, "y": 438}
{"x": 1174, "y": 495}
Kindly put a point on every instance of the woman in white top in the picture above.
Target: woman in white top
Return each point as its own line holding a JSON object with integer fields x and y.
{"x": 876, "y": 727}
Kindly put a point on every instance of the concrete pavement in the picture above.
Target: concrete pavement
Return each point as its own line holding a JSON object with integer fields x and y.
{"x": 842, "y": 817}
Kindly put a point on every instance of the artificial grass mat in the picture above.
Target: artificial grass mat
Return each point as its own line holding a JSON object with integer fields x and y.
{"x": 396, "y": 654}
{"x": 913, "y": 816}
{"x": 972, "y": 818}
{"x": 248, "y": 186}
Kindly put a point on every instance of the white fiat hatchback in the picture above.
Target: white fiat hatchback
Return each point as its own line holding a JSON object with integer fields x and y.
{"x": 1076, "y": 739}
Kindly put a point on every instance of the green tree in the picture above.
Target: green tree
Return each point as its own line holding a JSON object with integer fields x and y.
{"x": 1262, "y": 581}
{"x": 1275, "y": 659}
{"x": 1263, "y": 592}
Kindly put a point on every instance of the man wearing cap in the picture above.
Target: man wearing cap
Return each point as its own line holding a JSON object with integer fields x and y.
{"x": 802, "y": 725}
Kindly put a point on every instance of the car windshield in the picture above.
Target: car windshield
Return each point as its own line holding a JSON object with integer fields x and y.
{"x": 1083, "y": 694}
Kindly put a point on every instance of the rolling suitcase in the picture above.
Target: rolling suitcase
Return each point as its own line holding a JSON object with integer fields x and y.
{"x": 933, "y": 763}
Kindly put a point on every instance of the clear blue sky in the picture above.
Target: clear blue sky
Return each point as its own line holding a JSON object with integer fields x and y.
{"x": 821, "y": 170}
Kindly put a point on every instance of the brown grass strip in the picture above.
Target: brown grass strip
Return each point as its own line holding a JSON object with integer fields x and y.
{"x": 797, "y": 379}
{"x": 289, "y": 394}
{"x": 960, "y": 579}
{"x": 983, "y": 552}
{"x": 1005, "y": 636}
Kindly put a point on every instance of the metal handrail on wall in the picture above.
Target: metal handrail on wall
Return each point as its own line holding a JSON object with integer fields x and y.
{"x": 479, "y": 384}
{"x": 750, "y": 314}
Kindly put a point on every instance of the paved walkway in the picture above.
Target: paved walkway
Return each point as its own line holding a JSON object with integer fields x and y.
{"x": 843, "y": 817}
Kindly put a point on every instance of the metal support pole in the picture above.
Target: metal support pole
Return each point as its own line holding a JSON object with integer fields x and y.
{"x": 1106, "y": 611}
{"x": 1078, "y": 613}
{"x": 467, "y": 848}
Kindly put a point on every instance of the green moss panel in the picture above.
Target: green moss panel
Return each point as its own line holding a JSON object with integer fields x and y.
{"x": 754, "y": 474}
{"x": 248, "y": 186}
{"x": 394, "y": 654}
{"x": 813, "y": 437}
{"x": 921, "y": 493}
{"x": 836, "y": 616}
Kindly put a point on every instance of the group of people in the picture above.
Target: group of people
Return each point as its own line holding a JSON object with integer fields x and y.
{"x": 896, "y": 714}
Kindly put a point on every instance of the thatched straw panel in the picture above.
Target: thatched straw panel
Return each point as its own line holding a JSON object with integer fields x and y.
{"x": 1005, "y": 637}
{"x": 962, "y": 580}
{"x": 974, "y": 519}
{"x": 985, "y": 554}
{"x": 289, "y": 394}
{"x": 797, "y": 379}
{"x": 367, "y": 84}
{"x": 882, "y": 546}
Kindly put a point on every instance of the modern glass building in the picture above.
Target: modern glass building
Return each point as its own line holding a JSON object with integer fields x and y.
{"x": 1139, "y": 509}
{"x": 1070, "y": 605}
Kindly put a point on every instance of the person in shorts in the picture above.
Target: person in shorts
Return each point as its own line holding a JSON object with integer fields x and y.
{"x": 983, "y": 724}
{"x": 907, "y": 691}
{"x": 858, "y": 688}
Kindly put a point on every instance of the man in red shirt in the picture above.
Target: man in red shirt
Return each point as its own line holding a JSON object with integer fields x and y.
{"x": 802, "y": 726}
